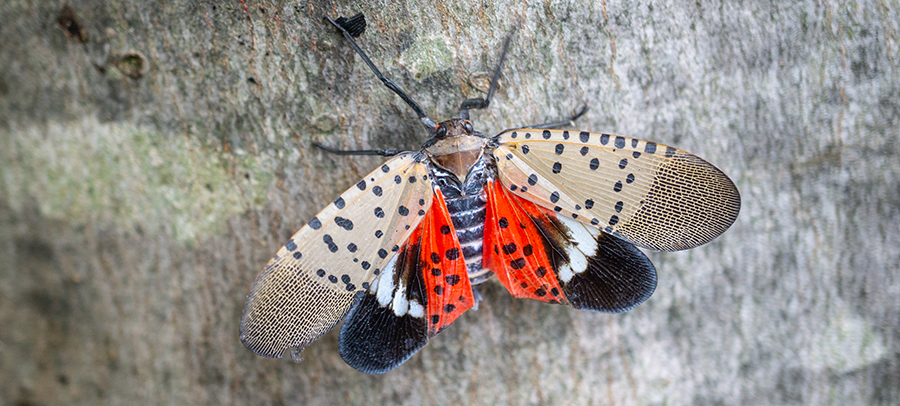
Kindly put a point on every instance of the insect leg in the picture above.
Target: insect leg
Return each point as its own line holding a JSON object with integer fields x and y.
{"x": 429, "y": 123}
{"x": 565, "y": 123}
{"x": 382, "y": 152}
{"x": 481, "y": 103}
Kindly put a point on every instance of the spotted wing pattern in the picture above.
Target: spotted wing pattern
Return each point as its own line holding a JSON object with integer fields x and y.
{"x": 539, "y": 255}
{"x": 422, "y": 290}
{"x": 649, "y": 194}
{"x": 597, "y": 271}
{"x": 443, "y": 267}
{"x": 514, "y": 248}
{"x": 309, "y": 285}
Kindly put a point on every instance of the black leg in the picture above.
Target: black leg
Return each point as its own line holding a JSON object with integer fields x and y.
{"x": 381, "y": 152}
{"x": 557, "y": 124}
{"x": 479, "y": 103}
{"x": 548, "y": 126}
{"x": 429, "y": 123}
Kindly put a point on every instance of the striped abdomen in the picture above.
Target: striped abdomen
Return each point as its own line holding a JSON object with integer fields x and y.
{"x": 467, "y": 213}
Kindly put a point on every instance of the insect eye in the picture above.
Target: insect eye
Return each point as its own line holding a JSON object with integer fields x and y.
{"x": 468, "y": 127}
{"x": 441, "y": 131}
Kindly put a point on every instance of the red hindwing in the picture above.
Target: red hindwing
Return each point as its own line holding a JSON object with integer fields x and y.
{"x": 443, "y": 268}
{"x": 514, "y": 248}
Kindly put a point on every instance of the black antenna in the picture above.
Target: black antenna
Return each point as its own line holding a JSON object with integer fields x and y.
{"x": 481, "y": 103}
{"x": 354, "y": 23}
{"x": 380, "y": 152}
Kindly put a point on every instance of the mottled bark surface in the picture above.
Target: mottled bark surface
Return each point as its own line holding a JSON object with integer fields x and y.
{"x": 156, "y": 154}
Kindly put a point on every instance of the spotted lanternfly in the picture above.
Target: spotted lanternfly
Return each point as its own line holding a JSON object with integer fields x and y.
{"x": 556, "y": 215}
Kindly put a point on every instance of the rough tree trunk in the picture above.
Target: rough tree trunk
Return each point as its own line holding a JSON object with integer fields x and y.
{"x": 156, "y": 154}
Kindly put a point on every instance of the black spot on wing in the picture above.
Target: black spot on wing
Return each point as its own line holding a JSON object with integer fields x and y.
{"x": 330, "y": 243}
{"x": 346, "y": 224}
{"x": 452, "y": 280}
{"x": 554, "y": 197}
{"x": 452, "y": 254}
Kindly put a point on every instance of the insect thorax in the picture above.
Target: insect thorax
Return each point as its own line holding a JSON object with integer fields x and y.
{"x": 456, "y": 148}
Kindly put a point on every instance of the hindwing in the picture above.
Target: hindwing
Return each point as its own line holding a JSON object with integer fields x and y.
{"x": 538, "y": 254}
{"x": 420, "y": 292}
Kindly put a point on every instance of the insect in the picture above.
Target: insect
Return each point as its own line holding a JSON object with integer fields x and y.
{"x": 556, "y": 215}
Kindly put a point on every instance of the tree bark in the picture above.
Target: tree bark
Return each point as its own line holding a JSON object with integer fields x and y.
{"x": 156, "y": 154}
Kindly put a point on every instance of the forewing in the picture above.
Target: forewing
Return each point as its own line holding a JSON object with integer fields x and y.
{"x": 649, "y": 194}
{"x": 310, "y": 283}
{"x": 421, "y": 291}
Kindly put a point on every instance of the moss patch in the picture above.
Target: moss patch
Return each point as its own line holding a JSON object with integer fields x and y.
{"x": 427, "y": 56}
{"x": 85, "y": 171}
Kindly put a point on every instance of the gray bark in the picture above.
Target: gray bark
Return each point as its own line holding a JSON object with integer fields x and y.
{"x": 156, "y": 154}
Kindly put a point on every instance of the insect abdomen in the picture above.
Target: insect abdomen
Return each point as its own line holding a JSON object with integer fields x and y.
{"x": 467, "y": 213}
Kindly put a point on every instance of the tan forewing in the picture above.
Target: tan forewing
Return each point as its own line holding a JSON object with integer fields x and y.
{"x": 309, "y": 285}
{"x": 652, "y": 195}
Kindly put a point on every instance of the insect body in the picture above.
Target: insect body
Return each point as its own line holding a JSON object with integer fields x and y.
{"x": 554, "y": 214}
